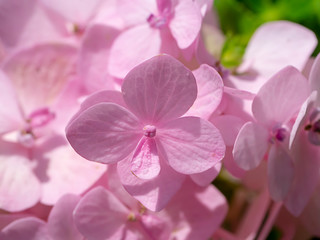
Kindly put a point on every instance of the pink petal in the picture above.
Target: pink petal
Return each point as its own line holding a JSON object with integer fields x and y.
{"x": 156, "y": 226}
{"x": 99, "y": 97}
{"x": 229, "y": 127}
{"x": 100, "y": 215}
{"x": 94, "y": 57}
{"x": 60, "y": 220}
{"x": 145, "y": 161}
{"x": 314, "y": 79}
{"x": 250, "y": 146}
{"x": 25, "y": 23}
{"x": 135, "y": 12}
{"x": 80, "y": 14}
{"x": 190, "y": 144}
{"x": 10, "y": 115}
{"x": 210, "y": 90}
{"x": 276, "y": 45}
{"x": 62, "y": 171}
{"x": 310, "y": 216}
{"x": 186, "y": 22}
{"x": 105, "y": 132}
{"x": 306, "y": 173}
{"x": 280, "y": 172}
{"x": 155, "y": 193}
{"x": 204, "y": 210}
{"x": 280, "y": 97}
{"x": 230, "y": 165}
{"x": 159, "y": 89}
{"x": 126, "y": 54}
{"x": 15, "y": 172}
{"x": 242, "y": 94}
{"x": 40, "y": 73}
{"x": 301, "y": 119}
{"x": 29, "y": 228}
{"x": 205, "y": 178}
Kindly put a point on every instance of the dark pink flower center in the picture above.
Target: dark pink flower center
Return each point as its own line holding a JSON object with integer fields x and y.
{"x": 157, "y": 21}
{"x": 149, "y": 131}
{"x": 279, "y": 134}
{"x": 38, "y": 118}
{"x": 314, "y": 127}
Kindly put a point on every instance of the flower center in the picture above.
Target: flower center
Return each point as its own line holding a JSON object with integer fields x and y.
{"x": 157, "y": 21}
{"x": 279, "y": 134}
{"x": 149, "y": 131}
{"x": 314, "y": 127}
{"x": 37, "y": 119}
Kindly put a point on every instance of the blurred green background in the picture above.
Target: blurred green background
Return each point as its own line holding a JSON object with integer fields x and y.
{"x": 240, "y": 18}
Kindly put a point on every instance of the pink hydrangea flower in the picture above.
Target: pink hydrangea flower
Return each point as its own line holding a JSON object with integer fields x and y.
{"x": 275, "y": 105}
{"x": 147, "y": 132}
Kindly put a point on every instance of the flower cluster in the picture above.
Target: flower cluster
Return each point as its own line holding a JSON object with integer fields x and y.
{"x": 116, "y": 116}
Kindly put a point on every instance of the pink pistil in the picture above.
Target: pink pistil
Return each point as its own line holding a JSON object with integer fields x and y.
{"x": 149, "y": 131}
{"x": 40, "y": 117}
{"x": 278, "y": 134}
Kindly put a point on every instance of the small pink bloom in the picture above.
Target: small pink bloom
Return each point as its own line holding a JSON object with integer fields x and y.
{"x": 275, "y": 105}
{"x": 156, "y": 93}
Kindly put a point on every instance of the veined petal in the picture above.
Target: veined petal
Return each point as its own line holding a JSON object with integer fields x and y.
{"x": 186, "y": 23}
{"x": 250, "y": 146}
{"x": 159, "y": 89}
{"x": 15, "y": 172}
{"x": 40, "y": 73}
{"x": 210, "y": 90}
{"x": 61, "y": 170}
{"x": 105, "y": 132}
{"x": 278, "y": 44}
{"x": 145, "y": 161}
{"x": 190, "y": 144}
{"x": 10, "y": 115}
{"x": 29, "y": 228}
{"x": 60, "y": 221}
{"x": 99, "y": 97}
{"x": 280, "y": 172}
{"x": 281, "y": 97}
{"x": 125, "y": 54}
{"x": 100, "y": 215}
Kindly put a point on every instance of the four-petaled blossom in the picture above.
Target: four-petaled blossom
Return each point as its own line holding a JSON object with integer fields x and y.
{"x": 275, "y": 105}
{"x": 148, "y": 127}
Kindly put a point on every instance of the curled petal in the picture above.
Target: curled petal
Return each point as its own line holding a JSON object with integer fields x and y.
{"x": 145, "y": 161}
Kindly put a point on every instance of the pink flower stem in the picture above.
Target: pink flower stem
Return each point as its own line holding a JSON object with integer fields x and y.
{"x": 270, "y": 220}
